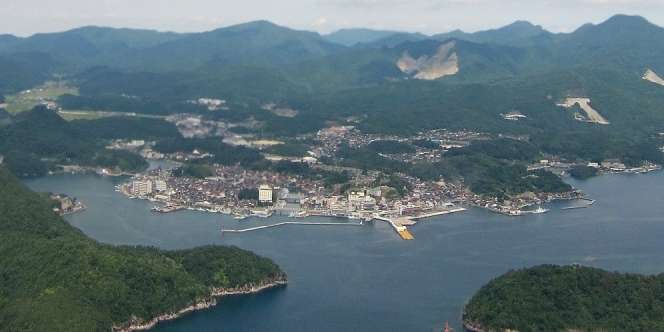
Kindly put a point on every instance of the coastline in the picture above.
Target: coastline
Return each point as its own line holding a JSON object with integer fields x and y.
{"x": 471, "y": 327}
{"x": 202, "y": 304}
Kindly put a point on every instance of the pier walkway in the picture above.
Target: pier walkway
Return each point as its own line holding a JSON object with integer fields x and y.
{"x": 399, "y": 223}
{"x": 288, "y": 223}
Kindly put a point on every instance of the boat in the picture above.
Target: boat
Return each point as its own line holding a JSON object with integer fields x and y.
{"x": 540, "y": 210}
{"x": 240, "y": 217}
{"x": 448, "y": 328}
{"x": 166, "y": 209}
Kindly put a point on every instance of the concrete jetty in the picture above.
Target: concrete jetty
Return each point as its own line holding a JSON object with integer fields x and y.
{"x": 399, "y": 223}
{"x": 288, "y": 223}
{"x": 398, "y": 226}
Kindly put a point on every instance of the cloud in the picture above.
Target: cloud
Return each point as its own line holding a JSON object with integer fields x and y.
{"x": 321, "y": 21}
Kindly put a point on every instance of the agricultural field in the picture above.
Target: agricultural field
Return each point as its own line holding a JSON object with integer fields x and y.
{"x": 48, "y": 92}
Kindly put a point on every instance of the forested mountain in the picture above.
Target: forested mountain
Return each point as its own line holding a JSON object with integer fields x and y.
{"x": 86, "y": 46}
{"x": 517, "y": 33}
{"x": 86, "y": 41}
{"x": 259, "y": 43}
{"x": 54, "y": 278}
{"x": 352, "y": 37}
{"x": 35, "y": 140}
{"x": 568, "y": 298}
{"x": 399, "y": 83}
{"x": 623, "y": 42}
{"x": 24, "y": 70}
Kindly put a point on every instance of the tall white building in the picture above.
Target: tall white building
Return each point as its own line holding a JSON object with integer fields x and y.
{"x": 265, "y": 194}
{"x": 141, "y": 188}
{"x": 160, "y": 185}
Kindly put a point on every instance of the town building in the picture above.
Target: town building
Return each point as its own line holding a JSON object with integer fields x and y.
{"x": 265, "y": 193}
{"x": 141, "y": 188}
{"x": 160, "y": 185}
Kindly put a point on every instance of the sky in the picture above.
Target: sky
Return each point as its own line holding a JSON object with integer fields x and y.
{"x": 26, "y": 17}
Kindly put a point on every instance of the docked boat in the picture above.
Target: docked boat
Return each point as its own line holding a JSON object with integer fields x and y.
{"x": 167, "y": 209}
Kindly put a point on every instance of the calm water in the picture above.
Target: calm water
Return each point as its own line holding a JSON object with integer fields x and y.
{"x": 366, "y": 278}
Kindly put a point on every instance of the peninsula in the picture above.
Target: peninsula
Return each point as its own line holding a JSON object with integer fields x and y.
{"x": 54, "y": 278}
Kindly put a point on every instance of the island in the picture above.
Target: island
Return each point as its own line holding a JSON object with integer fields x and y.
{"x": 567, "y": 298}
{"x": 54, "y": 278}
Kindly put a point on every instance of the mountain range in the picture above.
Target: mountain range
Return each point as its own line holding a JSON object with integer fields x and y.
{"x": 384, "y": 76}
{"x": 360, "y": 55}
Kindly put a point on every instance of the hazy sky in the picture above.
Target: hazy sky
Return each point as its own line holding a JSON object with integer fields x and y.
{"x": 24, "y": 17}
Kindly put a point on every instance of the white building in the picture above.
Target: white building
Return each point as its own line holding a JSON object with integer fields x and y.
{"x": 356, "y": 196}
{"x": 141, "y": 188}
{"x": 160, "y": 185}
{"x": 265, "y": 194}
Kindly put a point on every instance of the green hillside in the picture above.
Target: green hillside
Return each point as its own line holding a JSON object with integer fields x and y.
{"x": 54, "y": 278}
{"x": 24, "y": 70}
{"x": 519, "y": 67}
{"x": 352, "y": 37}
{"x": 35, "y": 140}
{"x": 555, "y": 298}
{"x": 517, "y": 33}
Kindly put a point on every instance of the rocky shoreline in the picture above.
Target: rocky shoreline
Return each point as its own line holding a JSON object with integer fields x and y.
{"x": 472, "y": 327}
{"x": 209, "y": 302}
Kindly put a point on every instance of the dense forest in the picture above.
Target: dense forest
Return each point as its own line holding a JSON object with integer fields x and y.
{"x": 37, "y": 140}
{"x": 583, "y": 172}
{"x": 494, "y": 168}
{"x": 54, "y": 278}
{"x": 565, "y": 298}
{"x": 222, "y": 153}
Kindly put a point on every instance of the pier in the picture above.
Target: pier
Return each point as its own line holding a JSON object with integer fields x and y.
{"x": 257, "y": 228}
{"x": 399, "y": 223}
{"x": 589, "y": 202}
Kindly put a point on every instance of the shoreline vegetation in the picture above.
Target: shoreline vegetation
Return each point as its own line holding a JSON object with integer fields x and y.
{"x": 199, "y": 305}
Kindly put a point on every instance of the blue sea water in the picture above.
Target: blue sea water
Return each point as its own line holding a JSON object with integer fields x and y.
{"x": 368, "y": 279}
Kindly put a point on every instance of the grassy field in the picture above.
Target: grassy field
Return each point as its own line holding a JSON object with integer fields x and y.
{"x": 26, "y": 100}
{"x": 81, "y": 115}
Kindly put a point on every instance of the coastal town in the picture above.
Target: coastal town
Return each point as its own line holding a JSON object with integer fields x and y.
{"x": 244, "y": 193}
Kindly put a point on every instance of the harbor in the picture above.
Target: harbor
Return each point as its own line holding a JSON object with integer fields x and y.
{"x": 399, "y": 224}
{"x": 328, "y": 266}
